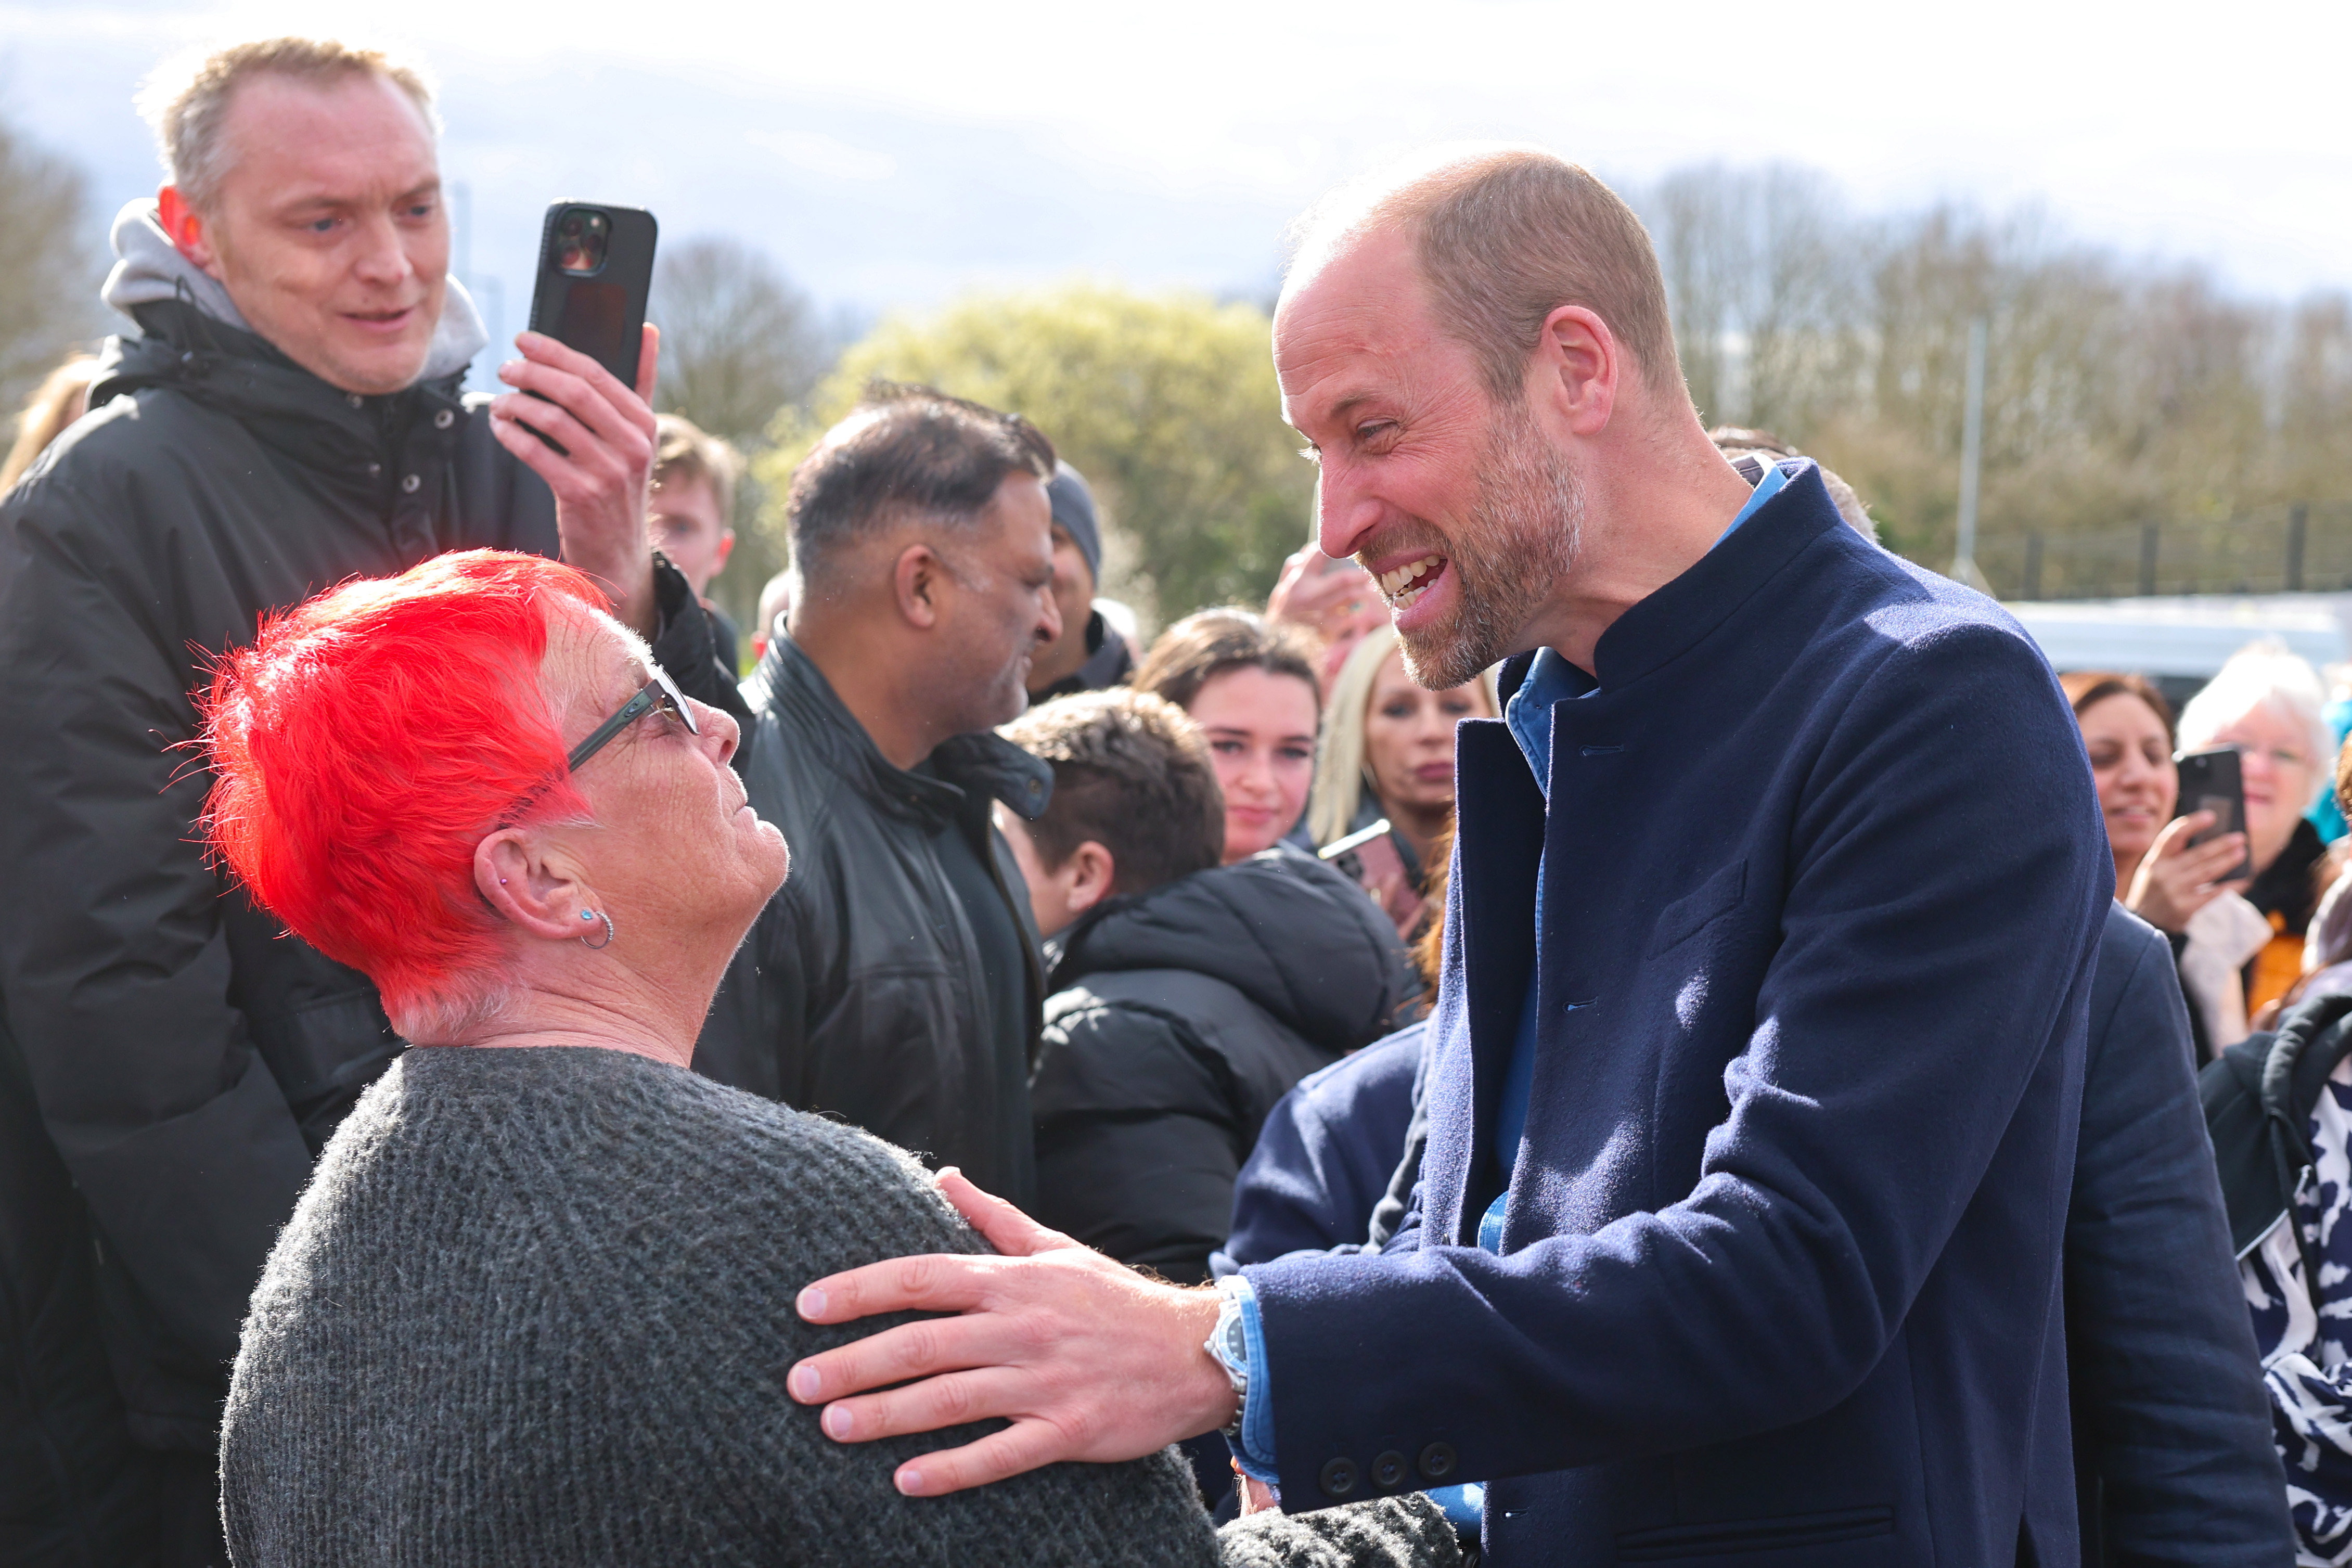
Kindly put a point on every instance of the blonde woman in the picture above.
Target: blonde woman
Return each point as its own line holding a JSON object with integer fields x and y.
{"x": 1388, "y": 755}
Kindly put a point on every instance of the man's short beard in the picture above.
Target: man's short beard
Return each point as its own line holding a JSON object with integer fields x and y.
{"x": 1514, "y": 553}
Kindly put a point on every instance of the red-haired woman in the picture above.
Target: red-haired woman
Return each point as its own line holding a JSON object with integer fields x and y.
{"x": 535, "y": 1305}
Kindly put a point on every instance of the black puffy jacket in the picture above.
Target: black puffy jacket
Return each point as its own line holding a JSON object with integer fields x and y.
{"x": 188, "y": 1058}
{"x": 1178, "y": 1019}
{"x": 858, "y": 993}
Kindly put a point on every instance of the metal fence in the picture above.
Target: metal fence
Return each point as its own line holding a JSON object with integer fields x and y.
{"x": 2278, "y": 548}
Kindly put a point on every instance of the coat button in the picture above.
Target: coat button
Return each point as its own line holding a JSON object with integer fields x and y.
{"x": 408, "y": 484}
{"x": 1389, "y": 1471}
{"x": 375, "y": 471}
{"x": 1437, "y": 1461}
{"x": 443, "y": 420}
{"x": 354, "y": 399}
{"x": 1338, "y": 1477}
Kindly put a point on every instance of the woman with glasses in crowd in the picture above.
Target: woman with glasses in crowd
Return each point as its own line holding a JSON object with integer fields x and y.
{"x": 1388, "y": 757}
{"x": 2240, "y": 944}
{"x": 536, "y": 1306}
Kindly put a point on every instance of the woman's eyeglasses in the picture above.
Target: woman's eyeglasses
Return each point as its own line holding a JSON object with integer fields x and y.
{"x": 660, "y": 692}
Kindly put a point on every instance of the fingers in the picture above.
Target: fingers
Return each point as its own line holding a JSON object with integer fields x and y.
{"x": 935, "y": 1282}
{"x": 2173, "y": 838}
{"x": 553, "y": 358}
{"x": 1005, "y": 1227}
{"x": 648, "y": 364}
{"x": 911, "y": 1349}
{"x": 597, "y": 408}
{"x": 2209, "y": 860}
{"x": 586, "y": 470}
{"x": 935, "y": 1402}
{"x": 1023, "y": 1445}
{"x": 2176, "y": 833}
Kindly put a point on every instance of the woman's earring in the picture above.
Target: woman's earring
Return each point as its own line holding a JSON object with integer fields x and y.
{"x": 597, "y": 915}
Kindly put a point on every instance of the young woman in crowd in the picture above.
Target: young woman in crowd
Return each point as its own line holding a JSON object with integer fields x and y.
{"x": 1388, "y": 754}
{"x": 1250, "y": 685}
{"x": 536, "y": 1275}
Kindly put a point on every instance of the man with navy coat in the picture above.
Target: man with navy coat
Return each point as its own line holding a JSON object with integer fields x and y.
{"x": 1758, "y": 1048}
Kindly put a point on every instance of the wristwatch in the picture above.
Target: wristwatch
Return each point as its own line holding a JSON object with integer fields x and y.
{"x": 1228, "y": 1345}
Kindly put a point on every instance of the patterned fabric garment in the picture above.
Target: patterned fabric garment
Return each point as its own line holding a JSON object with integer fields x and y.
{"x": 2306, "y": 1365}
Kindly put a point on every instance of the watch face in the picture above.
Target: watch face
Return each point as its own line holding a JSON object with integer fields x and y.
{"x": 1236, "y": 1342}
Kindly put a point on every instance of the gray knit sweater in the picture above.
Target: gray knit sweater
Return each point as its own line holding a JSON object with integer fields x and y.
{"x": 536, "y": 1308}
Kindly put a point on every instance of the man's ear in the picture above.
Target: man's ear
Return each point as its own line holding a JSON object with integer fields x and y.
{"x": 1577, "y": 364}
{"x": 186, "y": 227}
{"x": 534, "y": 885}
{"x": 726, "y": 548}
{"x": 1092, "y": 871}
{"x": 919, "y": 579}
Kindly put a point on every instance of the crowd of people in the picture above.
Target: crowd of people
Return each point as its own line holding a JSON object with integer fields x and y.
{"x": 1590, "y": 1028}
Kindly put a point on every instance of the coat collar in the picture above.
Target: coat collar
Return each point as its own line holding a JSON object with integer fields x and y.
{"x": 984, "y": 766}
{"x": 1686, "y": 611}
{"x": 322, "y": 428}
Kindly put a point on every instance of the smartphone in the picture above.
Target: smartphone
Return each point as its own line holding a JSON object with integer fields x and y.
{"x": 595, "y": 270}
{"x": 2210, "y": 781}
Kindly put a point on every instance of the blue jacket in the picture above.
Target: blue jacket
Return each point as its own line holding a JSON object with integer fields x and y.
{"x": 1325, "y": 1156}
{"x": 1823, "y": 881}
{"x": 2173, "y": 1460}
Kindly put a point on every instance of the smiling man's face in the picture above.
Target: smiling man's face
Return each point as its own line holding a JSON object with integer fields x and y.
{"x": 1468, "y": 519}
{"x": 327, "y": 228}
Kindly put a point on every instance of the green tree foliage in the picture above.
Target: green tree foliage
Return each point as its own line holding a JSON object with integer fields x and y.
{"x": 1167, "y": 403}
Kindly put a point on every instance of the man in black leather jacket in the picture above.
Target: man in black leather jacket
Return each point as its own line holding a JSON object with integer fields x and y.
{"x": 288, "y": 416}
{"x": 893, "y": 981}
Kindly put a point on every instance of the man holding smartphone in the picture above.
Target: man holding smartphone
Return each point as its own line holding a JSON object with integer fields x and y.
{"x": 287, "y": 416}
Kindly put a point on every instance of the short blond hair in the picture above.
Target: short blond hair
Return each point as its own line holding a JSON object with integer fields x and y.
{"x": 186, "y": 102}
{"x": 684, "y": 452}
{"x": 1505, "y": 236}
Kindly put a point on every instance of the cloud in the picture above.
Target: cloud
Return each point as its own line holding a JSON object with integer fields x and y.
{"x": 815, "y": 152}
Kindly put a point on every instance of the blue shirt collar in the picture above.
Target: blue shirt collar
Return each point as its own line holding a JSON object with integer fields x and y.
{"x": 1552, "y": 678}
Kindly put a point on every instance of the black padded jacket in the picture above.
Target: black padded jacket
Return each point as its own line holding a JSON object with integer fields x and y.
{"x": 186, "y": 1058}
{"x": 1178, "y": 1019}
{"x": 860, "y": 993}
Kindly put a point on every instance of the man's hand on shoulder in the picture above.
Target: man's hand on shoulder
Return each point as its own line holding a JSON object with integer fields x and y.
{"x": 1087, "y": 1358}
{"x": 600, "y": 479}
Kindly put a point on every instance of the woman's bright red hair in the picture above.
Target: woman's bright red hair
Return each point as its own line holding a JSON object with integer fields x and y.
{"x": 365, "y": 743}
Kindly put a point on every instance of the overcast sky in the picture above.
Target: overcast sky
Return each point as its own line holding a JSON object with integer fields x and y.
{"x": 894, "y": 153}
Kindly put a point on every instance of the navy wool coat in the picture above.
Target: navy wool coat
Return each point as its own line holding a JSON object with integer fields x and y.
{"x": 1823, "y": 877}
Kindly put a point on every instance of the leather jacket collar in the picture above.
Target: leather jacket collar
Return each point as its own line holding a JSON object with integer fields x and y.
{"x": 962, "y": 769}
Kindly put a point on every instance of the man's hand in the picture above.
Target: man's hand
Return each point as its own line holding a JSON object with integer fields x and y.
{"x": 606, "y": 431}
{"x": 1087, "y": 1358}
{"x": 2175, "y": 878}
{"x": 1336, "y": 601}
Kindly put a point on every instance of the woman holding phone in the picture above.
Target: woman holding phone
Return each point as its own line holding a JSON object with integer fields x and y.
{"x": 2160, "y": 876}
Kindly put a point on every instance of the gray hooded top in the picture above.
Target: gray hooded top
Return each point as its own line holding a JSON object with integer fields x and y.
{"x": 149, "y": 269}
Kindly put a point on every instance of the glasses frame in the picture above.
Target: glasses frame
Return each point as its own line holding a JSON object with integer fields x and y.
{"x": 661, "y": 692}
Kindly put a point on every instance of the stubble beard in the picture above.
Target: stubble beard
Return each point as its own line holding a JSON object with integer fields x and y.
{"x": 1517, "y": 550}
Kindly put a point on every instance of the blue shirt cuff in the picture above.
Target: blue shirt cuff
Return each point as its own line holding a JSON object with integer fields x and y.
{"x": 1255, "y": 1452}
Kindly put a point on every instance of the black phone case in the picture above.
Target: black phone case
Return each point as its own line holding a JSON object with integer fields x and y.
{"x": 2212, "y": 781}
{"x": 602, "y": 314}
